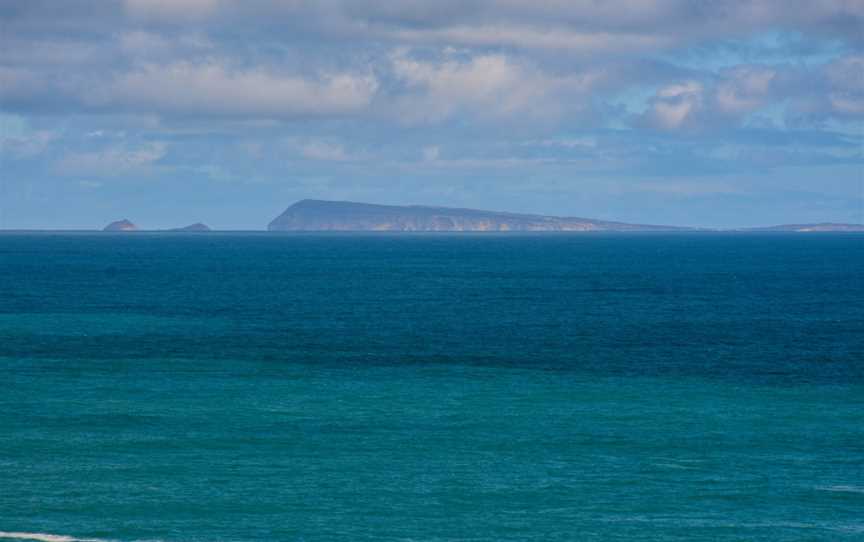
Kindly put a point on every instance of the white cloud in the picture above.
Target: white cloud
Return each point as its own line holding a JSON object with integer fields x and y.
{"x": 19, "y": 141}
{"x": 141, "y": 45}
{"x": 212, "y": 89}
{"x": 26, "y": 145}
{"x": 322, "y": 150}
{"x": 675, "y": 106}
{"x": 567, "y": 143}
{"x": 486, "y": 163}
{"x": 171, "y": 10}
{"x": 846, "y": 79}
{"x": 489, "y": 85}
{"x": 112, "y": 161}
{"x": 705, "y": 105}
{"x": 536, "y": 37}
{"x": 431, "y": 153}
{"x": 745, "y": 89}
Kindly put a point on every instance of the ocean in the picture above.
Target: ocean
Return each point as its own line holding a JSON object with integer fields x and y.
{"x": 431, "y": 387}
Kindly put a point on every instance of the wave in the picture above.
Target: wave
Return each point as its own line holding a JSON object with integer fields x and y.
{"x": 842, "y": 489}
{"x": 44, "y": 537}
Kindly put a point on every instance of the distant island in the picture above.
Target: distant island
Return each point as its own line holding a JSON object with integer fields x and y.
{"x": 129, "y": 226}
{"x": 198, "y": 226}
{"x": 822, "y": 226}
{"x": 320, "y": 215}
{"x": 121, "y": 225}
{"x": 324, "y": 215}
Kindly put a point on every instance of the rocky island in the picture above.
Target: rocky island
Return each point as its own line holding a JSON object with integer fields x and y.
{"x": 320, "y": 215}
{"x": 121, "y": 225}
{"x": 324, "y": 215}
{"x": 820, "y": 227}
{"x": 198, "y": 226}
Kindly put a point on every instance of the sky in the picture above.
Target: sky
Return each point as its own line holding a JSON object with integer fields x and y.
{"x": 711, "y": 113}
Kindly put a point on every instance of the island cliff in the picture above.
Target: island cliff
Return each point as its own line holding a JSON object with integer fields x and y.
{"x": 121, "y": 225}
{"x": 319, "y": 215}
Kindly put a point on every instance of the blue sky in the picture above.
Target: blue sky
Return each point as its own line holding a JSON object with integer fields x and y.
{"x": 168, "y": 112}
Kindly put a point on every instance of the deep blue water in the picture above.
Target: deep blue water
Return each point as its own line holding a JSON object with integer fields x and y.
{"x": 474, "y": 387}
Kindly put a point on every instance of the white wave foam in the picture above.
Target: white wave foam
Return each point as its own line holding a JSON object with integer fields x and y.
{"x": 43, "y": 537}
{"x": 842, "y": 489}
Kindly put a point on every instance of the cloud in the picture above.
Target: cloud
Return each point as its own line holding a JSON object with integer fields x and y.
{"x": 730, "y": 98}
{"x": 690, "y": 188}
{"x": 596, "y": 28}
{"x": 172, "y": 10}
{"x": 493, "y": 86}
{"x": 322, "y": 150}
{"x": 745, "y": 89}
{"x": 112, "y": 161}
{"x": 588, "y": 26}
{"x": 90, "y": 185}
{"x": 567, "y": 143}
{"x": 431, "y": 153}
{"x": 140, "y": 46}
{"x": 28, "y": 145}
{"x": 612, "y": 25}
{"x": 212, "y": 89}
{"x": 846, "y": 79}
{"x": 523, "y": 36}
{"x": 676, "y": 106}
{"x": 488, "y": 59}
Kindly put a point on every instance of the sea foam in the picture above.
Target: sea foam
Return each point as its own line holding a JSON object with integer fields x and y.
{"x": 44, "y": 537}
{"x": 841, "y": 489}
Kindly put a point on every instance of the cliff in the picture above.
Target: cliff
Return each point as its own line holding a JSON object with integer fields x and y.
{"x": 319, "y": 215}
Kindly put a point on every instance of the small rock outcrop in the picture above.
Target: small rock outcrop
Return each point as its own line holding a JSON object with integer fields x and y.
{"x": 121, "y": 225}
{"x": 198, "y": 226}
{"x": 822, "y": 226}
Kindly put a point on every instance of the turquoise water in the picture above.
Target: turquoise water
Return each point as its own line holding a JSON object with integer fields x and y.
{"x": 266, "y": 387}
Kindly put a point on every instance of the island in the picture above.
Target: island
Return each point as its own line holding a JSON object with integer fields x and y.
{"x": 322, "y": 215}
{"x": 820, "y": 227}
{"x": 121, "y": 225}
{"x": 196, "y": 227}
